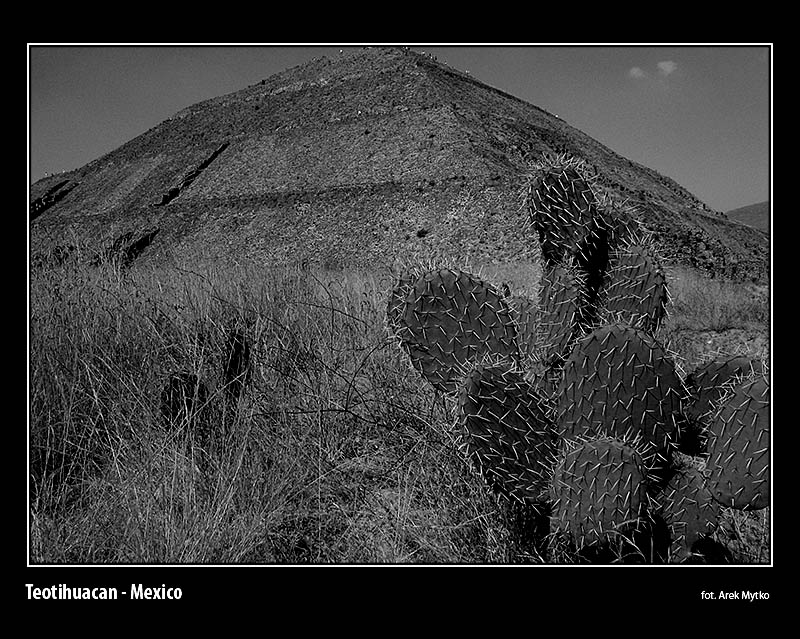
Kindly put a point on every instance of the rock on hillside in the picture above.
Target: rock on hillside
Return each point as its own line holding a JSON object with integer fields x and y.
{"x": 372, "y": 157}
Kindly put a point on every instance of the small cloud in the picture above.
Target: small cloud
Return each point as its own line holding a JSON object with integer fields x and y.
{"x": 667, "y": 67}
{"x": 636, "y": 72}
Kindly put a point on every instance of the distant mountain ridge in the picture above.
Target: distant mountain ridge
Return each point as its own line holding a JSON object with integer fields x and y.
{"x": 369, "y": 158}
{"x": 755, "y": 215}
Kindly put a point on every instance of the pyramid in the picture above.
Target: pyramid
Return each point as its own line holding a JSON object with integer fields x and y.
{"x": 366, "y": 159}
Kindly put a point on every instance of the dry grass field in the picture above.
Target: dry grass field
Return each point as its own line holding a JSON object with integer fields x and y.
{"x": 335, "y": 452}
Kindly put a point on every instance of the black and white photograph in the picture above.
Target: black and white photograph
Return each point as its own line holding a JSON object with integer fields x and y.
{"x": 398, "y": 305}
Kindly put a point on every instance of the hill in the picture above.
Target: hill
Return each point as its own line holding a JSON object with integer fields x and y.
{"x": 372, "y": 157}
{"x": 755, "y": 215}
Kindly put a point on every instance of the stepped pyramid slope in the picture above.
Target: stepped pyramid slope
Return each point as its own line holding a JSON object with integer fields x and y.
{"x": 361, "y": 160}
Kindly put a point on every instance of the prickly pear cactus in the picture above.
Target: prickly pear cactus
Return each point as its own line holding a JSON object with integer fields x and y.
{"x": 619, "y": 381}
{"x": 634, "y": 289}
{"x": 577, "y": 384}
{"x": 599, "y": 491}
{"x": 739, "y": 446}
{"x": 562, "y": 311}
{"x": 451, "y": 319}
{"x": 707, "y": 384}
{"x": 562, "y": 208}
{"x": 689, "y": 511}
{"x": 505, "y": 432}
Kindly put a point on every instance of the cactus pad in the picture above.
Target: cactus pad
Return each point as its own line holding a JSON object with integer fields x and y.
{"x": 689, "y": 511}
{"x": 707, "y": 384}
{"x": 562, "y": 303}
{"x": 634, "y": 289}
{"x": 620, "y": 223}
{"x": 599, "y": 491}
{"x": 561, "y": 204}
{"x": 505, "y": 432}
{"x": 452, "y": 319}
{"x": 739, "y": 446}
{"x": 618, "y": 381}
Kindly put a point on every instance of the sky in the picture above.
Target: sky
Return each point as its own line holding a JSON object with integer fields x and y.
{"x": 700, "y": 114}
